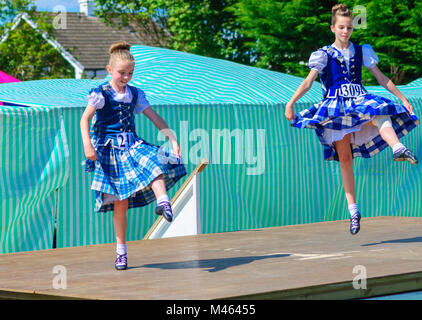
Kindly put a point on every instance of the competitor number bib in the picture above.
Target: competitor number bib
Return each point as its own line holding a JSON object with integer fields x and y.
{"x": 351, "y": 90}
{"x": 122, "y": 139}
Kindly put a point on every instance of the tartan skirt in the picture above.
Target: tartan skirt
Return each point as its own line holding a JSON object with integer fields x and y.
{"x": 340, "y": 116}
{"x": 127, "y": 173}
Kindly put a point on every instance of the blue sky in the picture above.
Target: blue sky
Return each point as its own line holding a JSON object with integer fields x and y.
{"x": 48, "y": 5}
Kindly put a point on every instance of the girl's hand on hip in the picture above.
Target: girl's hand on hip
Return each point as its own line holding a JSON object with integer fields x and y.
{"x": 90, "y": 152}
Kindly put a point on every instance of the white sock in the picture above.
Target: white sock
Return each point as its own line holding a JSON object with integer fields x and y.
{"x": 163, "y": 198}
{"x": 353, "y": 209}
{"x": 121, "y": 248}
{"x": 398, "y": 147}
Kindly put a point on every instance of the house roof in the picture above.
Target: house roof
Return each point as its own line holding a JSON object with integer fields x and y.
{"x": 88, "y": 39}
{"x": 85, "y": 40}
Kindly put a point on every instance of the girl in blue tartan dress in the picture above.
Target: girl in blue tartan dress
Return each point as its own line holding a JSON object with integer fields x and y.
{"x": 128, "y": 171}
{"x": 349, "y": 121}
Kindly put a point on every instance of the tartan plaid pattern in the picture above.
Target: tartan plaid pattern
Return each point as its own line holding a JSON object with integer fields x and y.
{"x": 127, "y": 173}
{"x": 343, "y": 113}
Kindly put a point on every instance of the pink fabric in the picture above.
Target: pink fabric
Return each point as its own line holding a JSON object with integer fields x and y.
{"x": 5, "y": 78}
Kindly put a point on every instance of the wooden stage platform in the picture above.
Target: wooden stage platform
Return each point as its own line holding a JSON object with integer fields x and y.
{"x": 313, "y": 261}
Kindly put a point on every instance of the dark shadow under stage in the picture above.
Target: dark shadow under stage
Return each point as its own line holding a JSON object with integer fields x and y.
{"x": 312, "y": 261}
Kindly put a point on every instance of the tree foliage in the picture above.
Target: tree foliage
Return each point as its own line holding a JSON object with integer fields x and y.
{"x": 202, "y": 27}
{"x": 10, "y": 8}
{"x": 394, "y": 29}
{"x": 284, "y": 33}
{"x": 274, "y": 34}
{"x": 280, "y": 35}
{"x": 26, "y": 55}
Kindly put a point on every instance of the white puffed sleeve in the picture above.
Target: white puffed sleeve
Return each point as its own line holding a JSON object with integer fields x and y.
{"x": 318, "y": 60}
{"x": 142, "y": 102}
{"x": 370, "y": 58}
{"x": 96, "y": 99}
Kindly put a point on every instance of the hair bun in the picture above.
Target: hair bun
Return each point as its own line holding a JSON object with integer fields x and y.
{"x": 339, "y": 6}
{"x": 340, "y": 10}
{"x": 118, "y": 46}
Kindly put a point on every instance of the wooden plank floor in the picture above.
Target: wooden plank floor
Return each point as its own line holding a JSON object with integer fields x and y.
{"x": 300, "y": 261}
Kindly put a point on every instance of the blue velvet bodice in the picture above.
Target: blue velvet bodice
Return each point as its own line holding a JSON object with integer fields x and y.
{"x": 335, "y": 73}
{"x": 114, "y": 117}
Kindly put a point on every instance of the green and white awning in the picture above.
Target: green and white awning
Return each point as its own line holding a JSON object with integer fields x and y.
{"x": 171, "y": 77}
{"x": 261, "y": 172}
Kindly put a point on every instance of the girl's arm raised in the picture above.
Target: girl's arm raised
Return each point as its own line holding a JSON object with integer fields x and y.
{"x": 162, "y": 126}
{"x": 300, "y": 92}
{"x": 390, "y": 86}
{"x": 89, "y": 150}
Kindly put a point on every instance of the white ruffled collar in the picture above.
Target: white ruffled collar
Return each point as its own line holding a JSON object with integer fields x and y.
{"x": 336, "y": 53}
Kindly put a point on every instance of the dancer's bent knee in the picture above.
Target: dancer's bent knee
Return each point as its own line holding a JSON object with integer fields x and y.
{"x": 382, "y": 122}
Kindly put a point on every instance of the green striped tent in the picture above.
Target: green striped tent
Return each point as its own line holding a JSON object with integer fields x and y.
{"x": 262, "y": 172}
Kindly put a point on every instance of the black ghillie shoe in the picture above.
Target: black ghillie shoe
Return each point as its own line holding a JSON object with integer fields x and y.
{"x": 405, "y": 155}
{"x": 355, "y": 223}
{"x": 165, "y": 210}
{"x": 121, "y": 262}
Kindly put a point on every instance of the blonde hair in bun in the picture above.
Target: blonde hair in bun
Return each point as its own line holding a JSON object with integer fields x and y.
{"x": 120, "y": 51}
{"x": 340, "y": 10}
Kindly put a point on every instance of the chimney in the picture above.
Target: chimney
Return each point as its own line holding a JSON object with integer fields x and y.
{"x": 86, "y": 7}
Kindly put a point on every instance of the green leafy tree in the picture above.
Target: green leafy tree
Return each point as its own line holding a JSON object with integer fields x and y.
{"x": 394, "y": 30}
{"x": 25, "y": 54}
{"x": 279, "y": 34}
{"x": 10, "y": 8}
{"x": 202, "y": 27}
{"x": 284, "y": 32}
